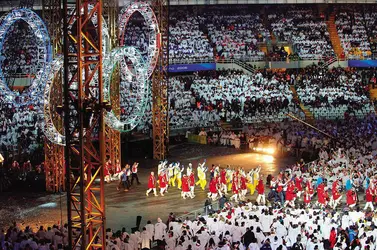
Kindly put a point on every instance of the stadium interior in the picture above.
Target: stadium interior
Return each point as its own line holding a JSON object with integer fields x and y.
{"x": 279, "y": 91}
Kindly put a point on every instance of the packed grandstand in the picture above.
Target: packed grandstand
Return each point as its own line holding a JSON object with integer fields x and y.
{"x": 245, "y": 99}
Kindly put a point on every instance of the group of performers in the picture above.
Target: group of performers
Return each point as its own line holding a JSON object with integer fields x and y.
{"x": 286, "y": 188}
{"x": 125, "y": 175}
{"x": 221, "y": 182}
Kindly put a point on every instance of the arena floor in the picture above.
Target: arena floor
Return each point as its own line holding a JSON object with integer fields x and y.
{"x": 122, "y": 207}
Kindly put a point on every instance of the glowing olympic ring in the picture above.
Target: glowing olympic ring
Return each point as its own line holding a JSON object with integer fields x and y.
{"x": 109, "y": 65}
{"x": 49, "y": 128}
{"x": 43, "y": 44}
{"x": 150, "y": 18}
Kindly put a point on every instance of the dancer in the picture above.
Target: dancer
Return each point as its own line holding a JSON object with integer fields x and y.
{"x": 298, "y": 184}
{"x": 351, "y": 198}
{"x": 163, "y": 182}
{"x": 192, "y": 183}
{"x": 134, "y": 175}
{"x": 171, "y": 174}
{"x": 202, "y": 175}
{"x": 235, "y": 187}
{"x": 186, "y": 187}
{"x": 261, "y": 198}
{"x": 336, "y": 195}
{"x": 213, "y": 188}
{"x": 118, "y": 170}
{"x": 107, "y": 171}
{"x": 243, "y": 187}
{"x": 290, "y": 195}
{"x": 322, "y": 195}
{"x": 307, "y": 197}
{"x": 152, "y": 185}
{"x": 369, "y": 193}
{"x": 178, "y": 173}
{"x": 223, "y": 181}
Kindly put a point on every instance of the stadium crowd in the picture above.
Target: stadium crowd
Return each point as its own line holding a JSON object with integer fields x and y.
{"x": 19, "y": 53}
{"x": 337, "y": 90}
{"x": 302, "y": 27}
{"x": 235, "y": 33}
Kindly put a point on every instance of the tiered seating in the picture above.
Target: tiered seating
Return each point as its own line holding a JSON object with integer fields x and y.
{"x": 235, "y": 32}
{"x": 352, "y": 32}
{"x": 370, "y": 16}
{"x": 20, "y": 52}
{"x": 187, "y": 42}
{"x": 303, "y": 27}
{"x": 332, "y": 94}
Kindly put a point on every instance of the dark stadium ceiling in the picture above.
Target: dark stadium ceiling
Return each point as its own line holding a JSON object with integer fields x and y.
{"x": 6, "y": 5}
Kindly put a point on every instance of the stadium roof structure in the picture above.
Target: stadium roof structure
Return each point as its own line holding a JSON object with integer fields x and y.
{"x": 6, "y": 5}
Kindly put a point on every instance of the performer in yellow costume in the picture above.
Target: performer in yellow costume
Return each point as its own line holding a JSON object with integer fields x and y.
{"x": 253, "y": 178}
{"x": 178, "y": 174}
{"x": 229, "y": 176}
{"x": 202, "y": 175}
{"x": 171, "y": 175}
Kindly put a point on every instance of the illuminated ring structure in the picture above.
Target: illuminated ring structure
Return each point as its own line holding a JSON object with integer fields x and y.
{"x": 141, "y": 83}
{"x": 49, "y": 128}
{"x": 150, "y": 18}
{"x": 43, "y": 45}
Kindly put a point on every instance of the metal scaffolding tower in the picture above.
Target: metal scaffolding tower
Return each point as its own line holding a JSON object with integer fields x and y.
{"x": 84, "y": 123}
{"x": 160, "y": 83}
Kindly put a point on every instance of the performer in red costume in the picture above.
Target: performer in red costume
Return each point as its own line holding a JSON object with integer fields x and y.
{"x": 351, "y": 198}
{"x": 152, "y": 185}
{"x": 235, "y": 186}
{"x": 213, "y": 188}
{"x": 224, "y": 187}
{"x": 163, "y": 182}
{"x": 369, "y": 193}
{"x": 290, "y": 195}
{"x": 261, "y": 199}
{"x": 336, "y": 195}
{"x": 186, "y": 187}
{"x": 310, "y": 187}
{"x": 192, "y": 184}
{"x": 243, "y": 187}
{"x": 307, "y": 197}
{"x": 107, "y": 171}
{"x": 322, "y": 195}
{"x": 298, "y": 184}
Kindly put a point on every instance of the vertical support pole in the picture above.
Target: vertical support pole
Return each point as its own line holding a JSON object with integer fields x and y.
{"x": 160, "y": 83}
{"x": 84, "y": 123}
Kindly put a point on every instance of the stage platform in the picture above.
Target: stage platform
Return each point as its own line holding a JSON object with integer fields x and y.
{"x": 122, "y": 208}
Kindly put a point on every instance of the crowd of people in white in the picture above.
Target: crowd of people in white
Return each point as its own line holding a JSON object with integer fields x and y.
{"x": 19, "y": 52}
{"x": 303, "y": 27}
{"x": 187, "y": 42}
{"x": 20, "y": 128}
{"x": 235, "y": 33}
{"x": 340, "y": 89}
{"x": 230, "y": 95}
{"x": 352, "y": 32}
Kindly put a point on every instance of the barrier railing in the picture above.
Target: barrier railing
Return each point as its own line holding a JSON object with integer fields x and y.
{"x": 206, "y": 210}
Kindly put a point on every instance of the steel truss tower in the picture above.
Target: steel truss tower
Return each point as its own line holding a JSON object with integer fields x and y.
{"x": 160, "y": 83}
{"x": 113, "y": 138}
{"x": 54, "y": 153}
{"x": 84, "y": 123}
